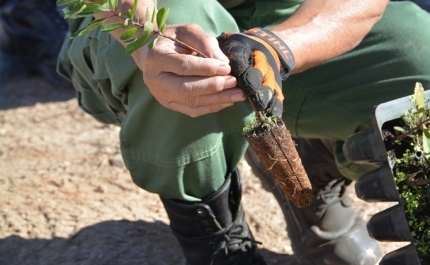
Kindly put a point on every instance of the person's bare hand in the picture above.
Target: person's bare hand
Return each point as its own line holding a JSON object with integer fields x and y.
{"x": 186, "y": 83}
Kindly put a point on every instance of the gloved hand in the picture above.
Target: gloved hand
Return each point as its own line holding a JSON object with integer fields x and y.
{"x": 260, "y": 61}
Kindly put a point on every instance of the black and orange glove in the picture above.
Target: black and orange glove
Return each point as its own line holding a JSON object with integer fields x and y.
{"x": 260, "y": 61}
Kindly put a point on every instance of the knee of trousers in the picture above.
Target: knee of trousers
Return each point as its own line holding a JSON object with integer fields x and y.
{"x": 408, "y": 35}
{"x": 210, "y": 15}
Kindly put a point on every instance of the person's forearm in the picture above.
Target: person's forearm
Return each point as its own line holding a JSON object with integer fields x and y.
{"x": 321, "y": 30}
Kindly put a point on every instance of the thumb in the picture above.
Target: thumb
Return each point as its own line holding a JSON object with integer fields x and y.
{"x": 216, "y": 51}
{"x": 218, "y": 54}
{"x": 200, "y": 40}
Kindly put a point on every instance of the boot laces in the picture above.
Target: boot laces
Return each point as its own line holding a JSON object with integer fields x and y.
{"x": 330, "y": 194}
{"x": 233, "y": 242}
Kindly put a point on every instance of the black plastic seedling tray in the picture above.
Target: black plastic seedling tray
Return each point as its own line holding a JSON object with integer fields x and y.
{"x": 379, "y": 185}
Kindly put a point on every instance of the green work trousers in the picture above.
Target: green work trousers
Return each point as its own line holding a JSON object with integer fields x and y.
{"x": 187, "y": 158}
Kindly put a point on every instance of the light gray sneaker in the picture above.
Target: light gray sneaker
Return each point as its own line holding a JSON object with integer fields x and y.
{"x": 329, "y": 231}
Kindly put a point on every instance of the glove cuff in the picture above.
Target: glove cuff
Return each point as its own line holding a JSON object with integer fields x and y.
{"x": 284, "y": 52}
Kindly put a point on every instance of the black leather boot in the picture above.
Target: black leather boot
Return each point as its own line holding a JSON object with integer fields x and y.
{"x": 31, "y": 36}
{"x": 214, "y": 231}
{"x": 328, "y": 232}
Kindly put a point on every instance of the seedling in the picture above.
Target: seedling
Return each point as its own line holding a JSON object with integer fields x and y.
{"x": 408, "y": 145}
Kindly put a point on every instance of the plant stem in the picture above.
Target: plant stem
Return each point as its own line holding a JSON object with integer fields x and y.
{"x": 257, "y": 112}
{"x": 405, "y": 134}
{"x": 260, "y": 115}
{"x": 183, "y": 44}
{"x": 159, "y": 33}
{"x": 199, "y": 53}
{"x": 419, "y": 182}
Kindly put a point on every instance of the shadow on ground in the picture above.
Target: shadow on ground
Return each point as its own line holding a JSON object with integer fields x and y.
{"x": 113, "y": 242}
{"x": 16, "y": 92}
{"x": 107, "y": 243}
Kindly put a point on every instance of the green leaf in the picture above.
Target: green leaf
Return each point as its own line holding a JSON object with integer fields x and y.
{"x": 104, "y": 7}
{"x": 130, "y": 41}
{"x": 93, "y": 25}
{"x": 154, "y": 14}
{"x": 110, "y": 27}
{"x": 92, "y": 8}
{"x": 162, "y": 27}
{"x": 148, "y": 27}
{"x": 74, "y": 9}
{"x": 138, "y": 43}
{"x": 128, "y": 33}
{"x": 153, "y": 43}
{"x": 134, "y": 9}
{"x": 129, "y": 15}
{"x": 162, "y": 17}
{"x": 67, "y": 2}
{"x": 113, "y": 4}
{"x": 419, "y": 96}
{"x": 89, "y": 10}
{"x": 127, "y": 23}
{"x": 99, "y": 2}
{"x": 426, "y": 144}
{"x": 81, "y": 14}
{"x": 148, "y": 16}
{"x": 399, "y": 129}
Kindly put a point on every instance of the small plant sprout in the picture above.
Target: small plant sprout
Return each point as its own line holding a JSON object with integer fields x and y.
{"x": 412, "y": 168}
{"x": 257, "y": 125}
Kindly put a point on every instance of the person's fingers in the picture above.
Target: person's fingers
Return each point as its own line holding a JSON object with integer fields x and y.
{"x": 186, "y": 83}
{"x": 275, "y": 107}
{"x": 190, "y": 96}
{"x": 190, "y": 86}
{"x": 189, "y": 65}
{"x": 226, "y": 97}
{"x": 201, "y": 105}
{"x": 202, "y": 41}
{"x": 164, "y": 58}
{"x": 262, "y": 98}
{"x": 250, "y": 81}
{"x": 240, "y": 56}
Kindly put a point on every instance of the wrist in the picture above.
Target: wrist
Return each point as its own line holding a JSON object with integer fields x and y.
{"x": 283, "y": 50}
{"x": 294, "y": 42}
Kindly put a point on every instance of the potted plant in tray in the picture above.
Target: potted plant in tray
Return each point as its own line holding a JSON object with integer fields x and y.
{"x": 400, "y": 140}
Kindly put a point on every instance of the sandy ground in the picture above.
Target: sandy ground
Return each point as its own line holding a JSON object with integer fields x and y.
{"x": 66, "y": 198}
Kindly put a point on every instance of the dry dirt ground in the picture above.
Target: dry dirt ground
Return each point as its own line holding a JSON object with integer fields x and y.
{"x": 66, "y": 198}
